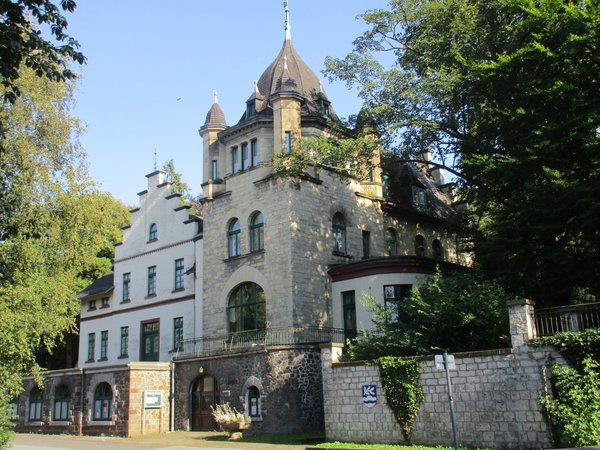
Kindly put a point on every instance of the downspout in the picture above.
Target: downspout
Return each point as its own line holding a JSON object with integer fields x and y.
{"x": 172, "y": 399}
{"x": 80, "y": 424}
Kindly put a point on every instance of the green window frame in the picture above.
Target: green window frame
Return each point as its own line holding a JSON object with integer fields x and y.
{"x": 153, "y": 233}
{"x": 234, "y": 160}
{"x": 391, "y": 242}
{"x": 36, "y": 404}
{"x": 244, "y": 155}
{"x": 102, "y": 402}
{"x": 257, "y": 231}
{"x": 233, "y": 238}
{"x": 178, "y": 333}
{"x": 150, "y": 341}
{"x": 254, "y": 152}
{"x": 349, "y": 314}
{"x": 338, "y": 227}
{"x": 151, "y": 280}
{"x": 179, "y": 273}
{"x": 393, "y": 295}
{"x": 420, "y": 245}
{"x": 419, "y": 197}
{"x": 103, "y": 345}
{"x": 124, "y": 347}
{"x": 62, "y": 403}
{"x": 366, "y": 244}
{"x": 246, "y": 308}
{"x": 91, "y": 346}
{"x": 126, "y": 287}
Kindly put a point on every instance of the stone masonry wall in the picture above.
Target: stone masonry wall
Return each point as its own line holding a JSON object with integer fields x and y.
{"x": 288, "y": 379}
{"x": 495, "y": 400}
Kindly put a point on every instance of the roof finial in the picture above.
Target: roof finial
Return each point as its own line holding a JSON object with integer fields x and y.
{"x": 288, "y": 32}
{"x": 216, "y": 94}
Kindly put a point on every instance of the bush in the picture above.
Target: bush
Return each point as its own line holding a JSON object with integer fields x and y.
{"x": 6, "y": 435}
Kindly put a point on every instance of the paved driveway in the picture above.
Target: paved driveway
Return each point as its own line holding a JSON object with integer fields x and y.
{"x": 170, "y": 441}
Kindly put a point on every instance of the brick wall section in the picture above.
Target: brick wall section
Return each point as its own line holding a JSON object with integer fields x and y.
{"x": 495, "y": 399}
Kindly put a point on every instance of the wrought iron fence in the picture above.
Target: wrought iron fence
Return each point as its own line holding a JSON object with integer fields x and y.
{"x": 549, "y": 321}
{"x": 227, "y": 342}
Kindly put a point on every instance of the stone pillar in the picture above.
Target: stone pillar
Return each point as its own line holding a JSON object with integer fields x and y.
{"x": 522, "y": 322}
{"x": 330, "y": 353}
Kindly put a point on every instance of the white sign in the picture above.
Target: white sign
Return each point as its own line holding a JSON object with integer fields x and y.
{"x": 369, "y": 395}
{"x": 439, "y": 362}
{"x": 153, "y": 399}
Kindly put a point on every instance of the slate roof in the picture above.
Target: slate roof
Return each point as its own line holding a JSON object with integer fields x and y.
{"x": 102, "y": 285}
{"x": 289, "y": 73}
{"x": 215, "y": 116}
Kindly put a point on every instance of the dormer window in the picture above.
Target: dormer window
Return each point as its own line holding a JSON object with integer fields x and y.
{"x": 153, "y": 233}
{"x": 419, "y": 197}
{"x": 326, "y": 110}
{"x": 250, "y": 109}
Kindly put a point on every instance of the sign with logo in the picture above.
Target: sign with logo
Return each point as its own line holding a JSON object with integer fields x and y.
{"x": 439, "y": 362}
{"x": 153, "y": 399}
{"x": 369, "y": 395}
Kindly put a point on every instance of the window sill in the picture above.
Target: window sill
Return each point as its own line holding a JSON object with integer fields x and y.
{"x": 101, "y": 423}
{"x": 125, "y": 301}
{"x": 341, "y": 254}
{"x": 105, "y": 306}
{"x": 89, "y": 361}
{"x": 103, "y": 359}
{"x": 178, "y": 290}
{"x": 59, "y": 423}
{"x": 92, "y": 309}
{"x": 123, "y": 357}
{"x": 150, "y": 296}
{"x": 151, "y": 241}
{"x": 245, "y": 255}
{"x": 34, "y": 423}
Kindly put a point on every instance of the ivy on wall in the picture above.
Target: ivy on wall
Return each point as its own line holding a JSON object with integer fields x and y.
{"x": 574, "y": 405}
{"x": 402, "y": 389}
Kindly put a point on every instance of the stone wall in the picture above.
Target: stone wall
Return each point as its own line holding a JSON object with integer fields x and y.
{"x": 288, "y": 379}
{"x": 495, "y": 399}
{"x": 127, "y": 414}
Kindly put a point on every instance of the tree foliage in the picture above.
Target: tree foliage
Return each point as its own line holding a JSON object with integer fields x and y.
{"x": 178, "y": 186}
{"x": 56, "y": 230}
{"x": 505, "y": 93}
{"x": 457, "y": 312}
{"x": 23, "y": 44}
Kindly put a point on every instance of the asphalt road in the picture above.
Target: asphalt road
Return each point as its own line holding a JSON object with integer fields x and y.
{"x": 171, "y": 441}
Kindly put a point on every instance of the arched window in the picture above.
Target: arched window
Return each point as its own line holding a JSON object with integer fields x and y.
{"x": 338, "y": 226}
{"x": 246, "y": 308}
{"x": 419, "y": 245}
{"x": 253, "y": 407}
{"x": 233, "y": 238}
{"x": 153, "y": 233}
{"x": 391, "y": 242}
{"x": 36, "y": 402}
{"x": 257, "y": 233}
{"x": 102, "y": 401}
{"x": 62, "y": 400}
{"x": 436, "y": 250}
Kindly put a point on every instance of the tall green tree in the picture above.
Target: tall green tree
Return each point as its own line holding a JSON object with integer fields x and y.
{"x": 505, "y": 93}
{"x": 23, "y": 44}
{"x": 56, "y": 228}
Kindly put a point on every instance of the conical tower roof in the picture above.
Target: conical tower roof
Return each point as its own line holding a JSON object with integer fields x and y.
{"x": 215, "y": 116}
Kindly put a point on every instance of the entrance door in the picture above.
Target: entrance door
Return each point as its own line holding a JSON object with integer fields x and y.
{"x": 203, "y": 397}
{"x": 349, "y": 314}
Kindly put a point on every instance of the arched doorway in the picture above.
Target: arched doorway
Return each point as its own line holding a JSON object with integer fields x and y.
{"x": 204, "y": 395}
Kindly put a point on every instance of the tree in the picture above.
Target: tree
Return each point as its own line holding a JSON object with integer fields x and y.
{"x": 178, "y": 186}
{"x": 22, "y": 43}
{"x": 56, "y": 229}
{"x": 462, "y": 311}
{"x": 505, "y": 93}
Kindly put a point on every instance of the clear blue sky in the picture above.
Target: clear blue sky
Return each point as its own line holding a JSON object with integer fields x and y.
{"x": 153, "y": 67}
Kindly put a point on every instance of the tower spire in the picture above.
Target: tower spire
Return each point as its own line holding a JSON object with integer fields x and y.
{"x": 288, "y": 31}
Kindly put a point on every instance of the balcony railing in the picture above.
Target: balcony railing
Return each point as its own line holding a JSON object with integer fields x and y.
{"x": 227, "y": 342}
{"x": 549, "y": 321}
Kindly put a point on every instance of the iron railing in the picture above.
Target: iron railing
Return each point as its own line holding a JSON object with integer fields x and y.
{"x": 227, "y": 342}
{"x": 549, "y": 321}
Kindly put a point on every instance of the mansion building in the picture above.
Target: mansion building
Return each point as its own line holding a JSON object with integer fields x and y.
{"x": 232, "y": 302}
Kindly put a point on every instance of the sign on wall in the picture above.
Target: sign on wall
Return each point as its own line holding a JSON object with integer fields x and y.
{"x": 369, "y": 395}
{"x": 153, "y": 399}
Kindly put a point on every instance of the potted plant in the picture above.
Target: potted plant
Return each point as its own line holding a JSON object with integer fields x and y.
{"x": 231, "y": 420}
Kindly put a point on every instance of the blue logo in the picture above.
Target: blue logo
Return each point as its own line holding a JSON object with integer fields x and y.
{"x": 369, "y": 395}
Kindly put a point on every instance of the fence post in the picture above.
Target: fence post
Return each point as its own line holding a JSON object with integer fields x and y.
{"x": 522, "y": 322}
